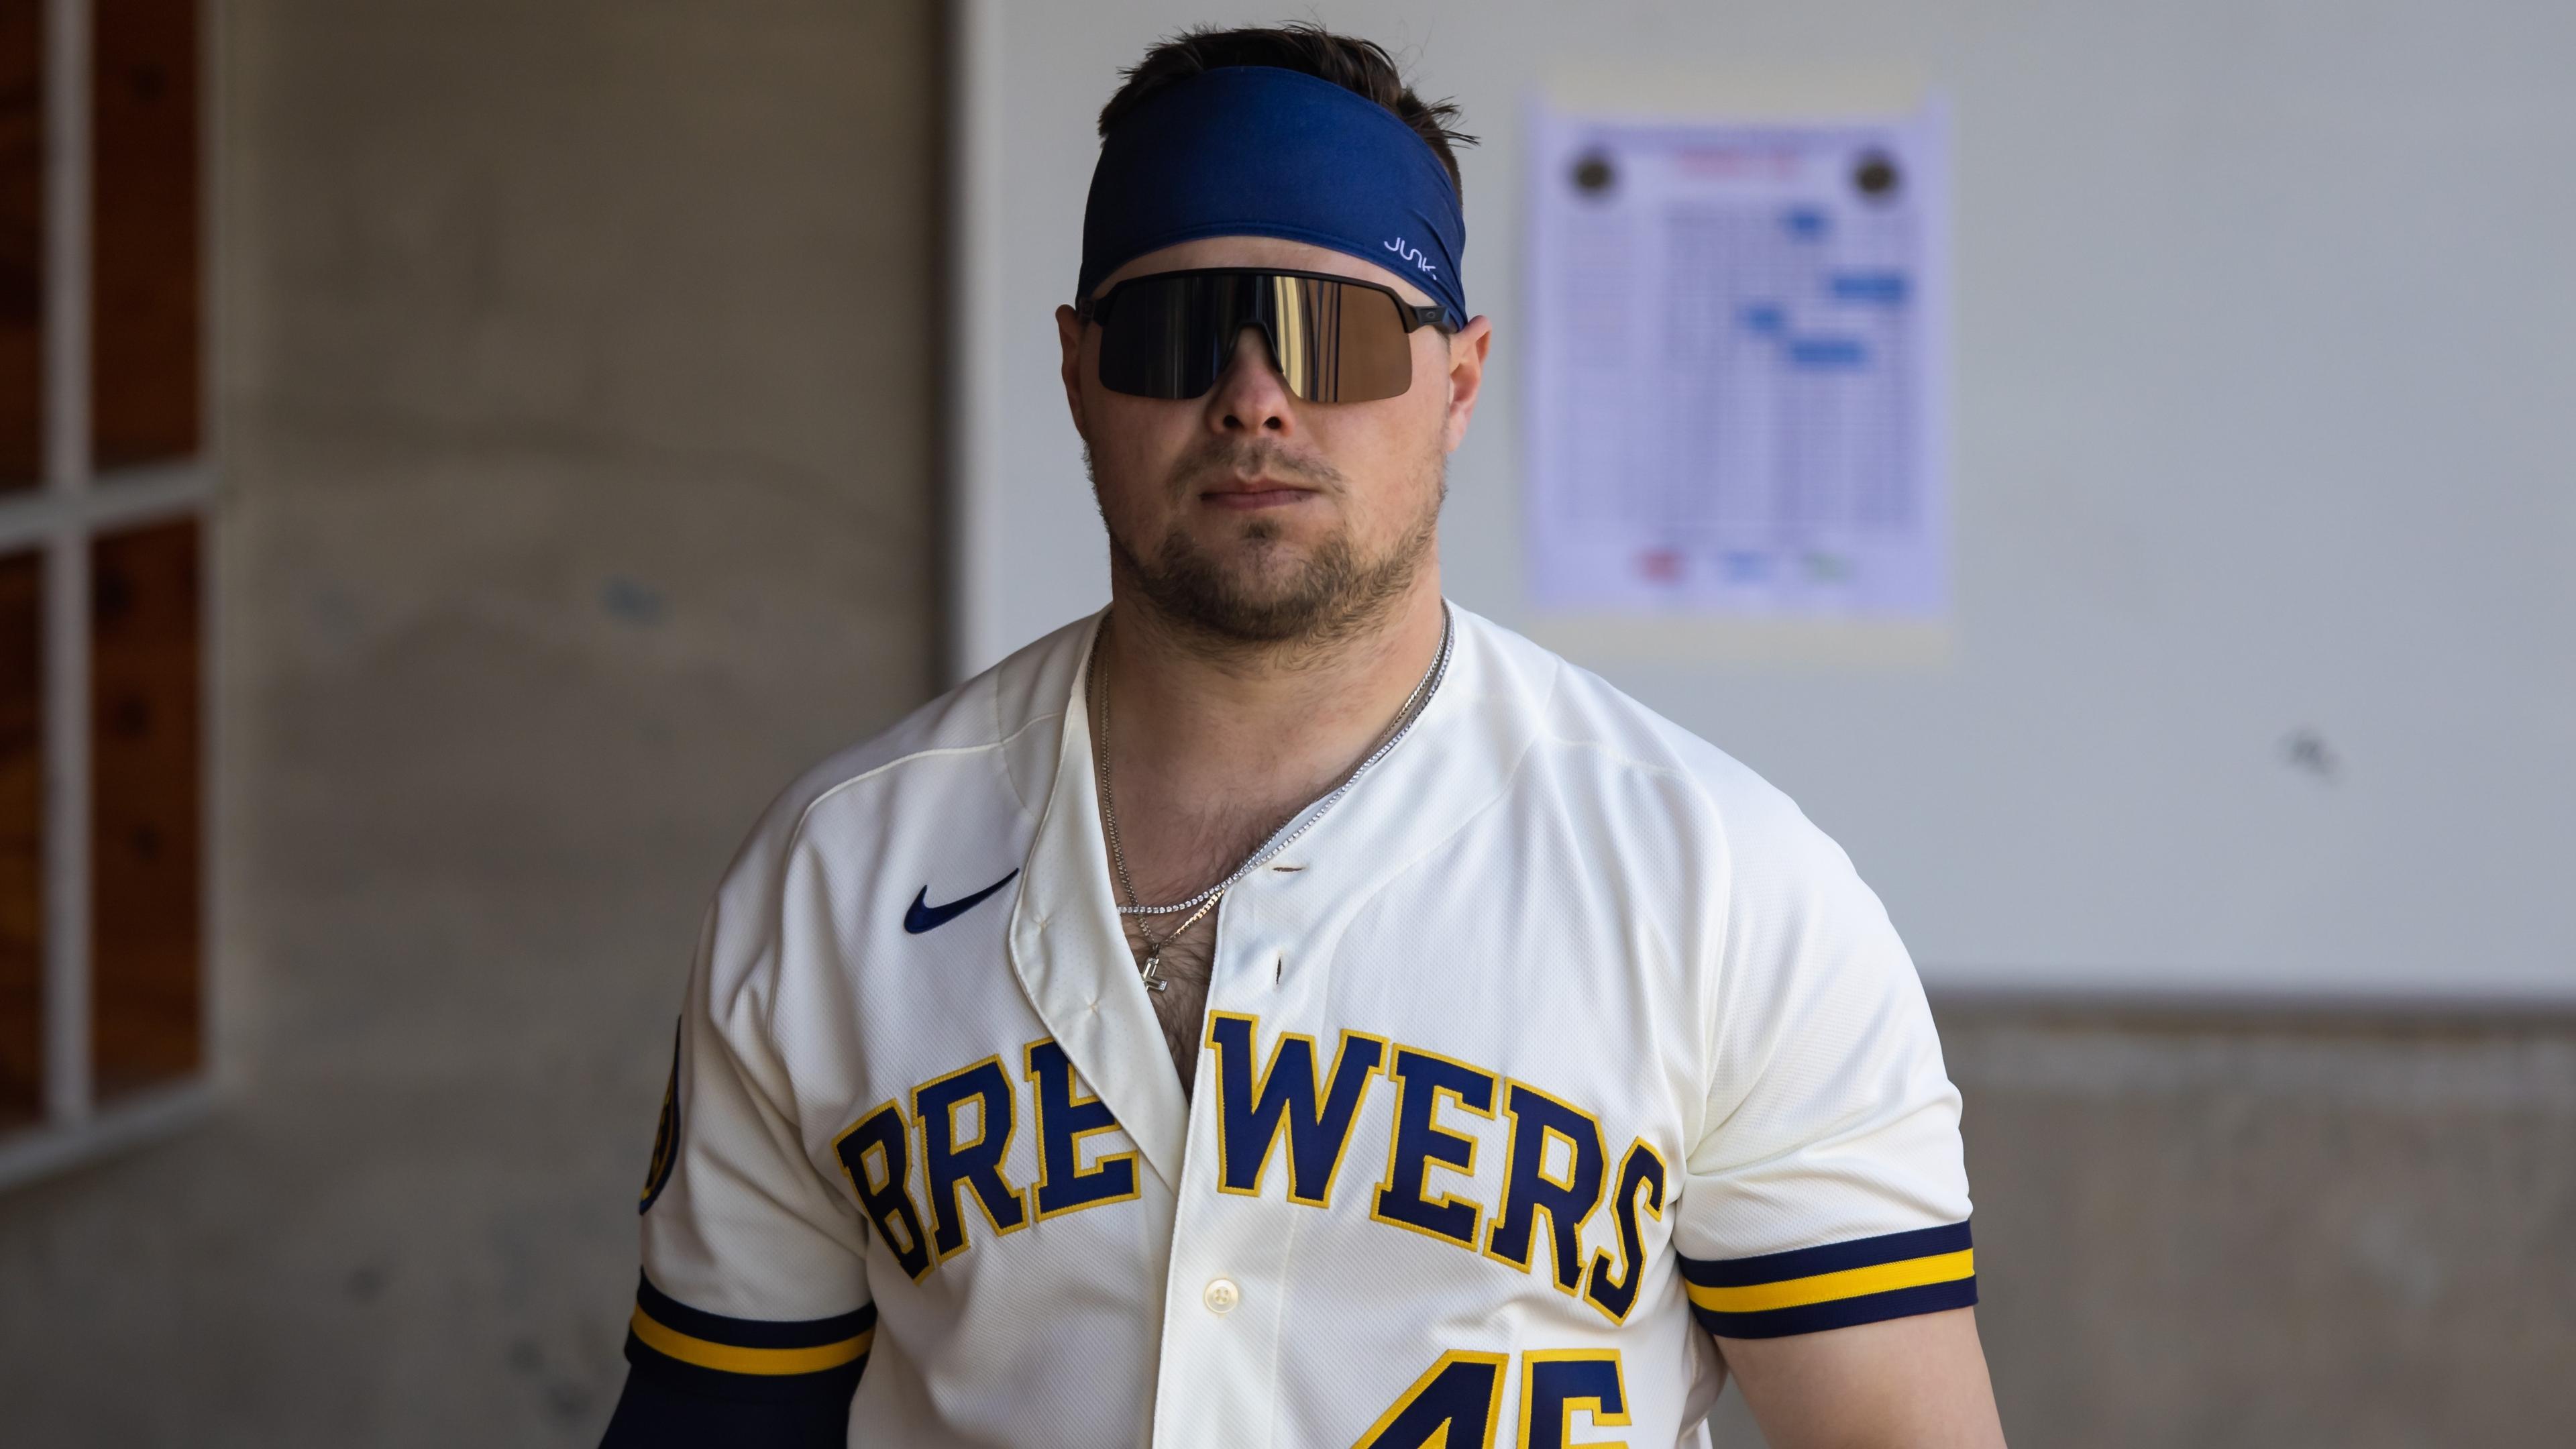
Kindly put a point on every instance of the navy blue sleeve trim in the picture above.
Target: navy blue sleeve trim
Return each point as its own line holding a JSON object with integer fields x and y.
{"x": 1831, "y": 1258}
{"x": 752, "y": 1332}
{"x": 1840, "y": 1313}
{"x": 1837, "y": 1285}
{"x": 748, "y": 1360}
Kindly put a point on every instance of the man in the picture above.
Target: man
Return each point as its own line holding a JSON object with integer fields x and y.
{"x": 1537, "y": 1063}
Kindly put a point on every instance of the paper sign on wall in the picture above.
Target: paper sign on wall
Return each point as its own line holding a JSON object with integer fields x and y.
{"x": 1737, "y": 385}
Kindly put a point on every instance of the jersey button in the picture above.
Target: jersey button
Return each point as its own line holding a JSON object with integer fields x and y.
{"x": 1221, "y": 1295}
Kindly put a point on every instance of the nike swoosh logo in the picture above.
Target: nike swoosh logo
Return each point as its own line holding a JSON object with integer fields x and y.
{"x": 926, "y": 917}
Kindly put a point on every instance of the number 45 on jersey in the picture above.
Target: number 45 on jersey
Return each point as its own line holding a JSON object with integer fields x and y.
{"x": 1457, "y": 1403}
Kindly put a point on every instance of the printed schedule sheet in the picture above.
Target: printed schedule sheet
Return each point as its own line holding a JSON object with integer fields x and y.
{"x": 1737, "y": 385}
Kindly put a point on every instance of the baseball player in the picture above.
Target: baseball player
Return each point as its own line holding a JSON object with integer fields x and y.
{"x": 1285, "y": 1009}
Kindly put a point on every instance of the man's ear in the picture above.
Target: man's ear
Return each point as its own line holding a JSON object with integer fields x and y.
{"x": 1466, "y": 377}
{"x": 1068, "y": 332}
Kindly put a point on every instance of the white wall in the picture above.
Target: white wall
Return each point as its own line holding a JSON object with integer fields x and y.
{"x": 2263, "y": 378}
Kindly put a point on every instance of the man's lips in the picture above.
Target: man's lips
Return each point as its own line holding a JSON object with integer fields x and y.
{"x": 1249, "y": 493}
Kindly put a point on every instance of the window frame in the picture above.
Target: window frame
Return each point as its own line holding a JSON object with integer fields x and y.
{"x": 74, "y": 505}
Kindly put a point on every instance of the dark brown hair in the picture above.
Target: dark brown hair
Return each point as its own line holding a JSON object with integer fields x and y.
{"x": 1359, "y": 66}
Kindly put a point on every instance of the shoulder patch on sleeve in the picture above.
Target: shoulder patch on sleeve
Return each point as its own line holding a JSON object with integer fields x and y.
{"x": 666, "y": 1132}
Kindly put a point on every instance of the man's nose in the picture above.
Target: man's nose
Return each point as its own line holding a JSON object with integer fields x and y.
{"x": 1250, "y": 395}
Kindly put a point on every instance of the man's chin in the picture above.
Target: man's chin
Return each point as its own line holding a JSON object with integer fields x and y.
{"x": 1268, "y": 578}
{"x": 1254, "y": 588}
{"x": 1272, "y": 616}
{"x": 1273, "y": 601}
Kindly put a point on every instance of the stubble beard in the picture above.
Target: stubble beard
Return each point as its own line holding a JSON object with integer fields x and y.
{"x": 1239, "y": 607}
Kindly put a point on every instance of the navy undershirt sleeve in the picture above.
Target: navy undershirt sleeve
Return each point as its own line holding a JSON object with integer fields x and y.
{"x": 655, "y": 1413}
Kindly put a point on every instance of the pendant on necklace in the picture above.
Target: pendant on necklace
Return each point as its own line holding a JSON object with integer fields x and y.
{"x": 1153, "y": 972}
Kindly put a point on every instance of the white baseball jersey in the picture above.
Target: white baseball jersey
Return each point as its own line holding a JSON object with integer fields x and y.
{"x": 1562, "y": 1042}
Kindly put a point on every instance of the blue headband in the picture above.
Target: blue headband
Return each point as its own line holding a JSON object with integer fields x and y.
{"x": 1252, "y": 150}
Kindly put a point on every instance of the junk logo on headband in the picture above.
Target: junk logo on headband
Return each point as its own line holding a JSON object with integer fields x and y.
{"x": 1251, "y": 150}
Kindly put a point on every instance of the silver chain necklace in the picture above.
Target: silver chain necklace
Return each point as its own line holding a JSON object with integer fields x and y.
{"x": 1297, "y": 825}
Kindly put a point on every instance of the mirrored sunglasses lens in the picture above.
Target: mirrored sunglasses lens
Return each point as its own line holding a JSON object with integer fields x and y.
{"x": 1162, "y": 339}
{"x": 1171, "y": 338}
{"x": 1337, "y": 343}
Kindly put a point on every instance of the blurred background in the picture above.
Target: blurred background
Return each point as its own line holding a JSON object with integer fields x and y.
{"x": 458, "y": 459}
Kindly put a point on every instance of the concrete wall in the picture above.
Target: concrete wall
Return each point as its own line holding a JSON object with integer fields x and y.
{"x": 2288, "y": 1233}
{"x": 2246, "y": 1234}
{"x": 578, "y": 456}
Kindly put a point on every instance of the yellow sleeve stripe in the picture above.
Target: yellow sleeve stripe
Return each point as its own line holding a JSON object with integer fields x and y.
{"x": 726, "y": 1358}
{"x": 1829, "y": 1287}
